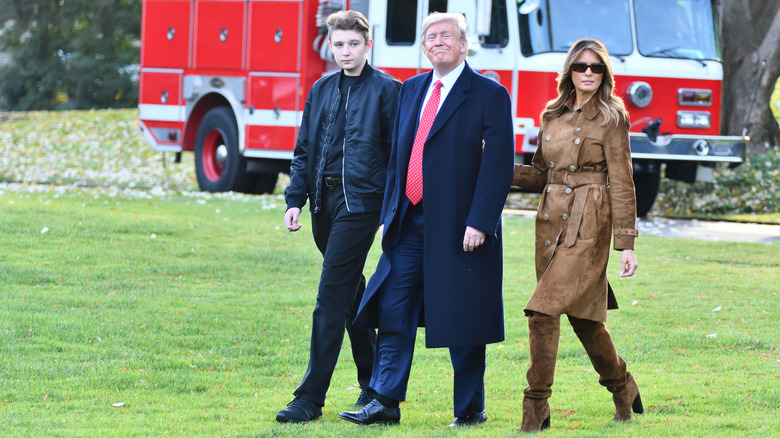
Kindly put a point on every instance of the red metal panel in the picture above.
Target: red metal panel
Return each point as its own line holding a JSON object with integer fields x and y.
{"x": 312, "y": 66}
{"x": 274, "y": 30}
{"x": 534, "y": 89}
{"x": 665, "y": 103}
{"x": 166, "y": 33}
{"x": 270, "y": 137}
{"x": 219, "y": 34}
{"x": 160, "y": 88}
{"x": 269, "y": 92}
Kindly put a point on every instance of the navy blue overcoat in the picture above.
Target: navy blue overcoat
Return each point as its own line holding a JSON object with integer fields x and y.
{"x": 464, "y": 184}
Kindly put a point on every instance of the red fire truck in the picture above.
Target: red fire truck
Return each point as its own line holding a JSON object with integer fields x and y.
{"x": 227, "y": 79}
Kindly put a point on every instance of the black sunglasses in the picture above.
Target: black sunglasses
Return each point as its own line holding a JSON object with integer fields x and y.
{"x": 581, "y": 67}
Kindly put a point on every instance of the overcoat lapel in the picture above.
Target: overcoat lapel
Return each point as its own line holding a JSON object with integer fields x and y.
{"x": 454, "y": 99}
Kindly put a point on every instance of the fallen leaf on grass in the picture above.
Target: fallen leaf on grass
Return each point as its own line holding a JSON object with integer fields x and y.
{"x": 574, "y": 426}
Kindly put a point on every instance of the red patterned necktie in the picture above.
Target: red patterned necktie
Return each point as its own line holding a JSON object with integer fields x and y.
{"x": 414, "y": 179}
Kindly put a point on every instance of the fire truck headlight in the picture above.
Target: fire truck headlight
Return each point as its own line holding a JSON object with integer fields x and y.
{"x": 639, "y": 94}
{"x": 693, "y": 119}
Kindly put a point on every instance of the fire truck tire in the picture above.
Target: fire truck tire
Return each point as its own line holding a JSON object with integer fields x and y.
{"x": 260, "y": 183}
{"x": 219, "y": 165}
{"x": 646, "y": 185}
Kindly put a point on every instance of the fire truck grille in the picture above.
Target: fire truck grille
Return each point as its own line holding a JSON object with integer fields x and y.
{"x": 721, "y": 149}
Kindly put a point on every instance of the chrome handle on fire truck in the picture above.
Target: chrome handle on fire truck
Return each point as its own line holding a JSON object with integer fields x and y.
{"x": 278, "y": 35}
{"x": 223, "y": 34}
{"x": 171, "y": 33}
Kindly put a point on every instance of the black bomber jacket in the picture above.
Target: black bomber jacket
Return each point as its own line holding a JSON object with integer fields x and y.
{"x": 370, "y": 113}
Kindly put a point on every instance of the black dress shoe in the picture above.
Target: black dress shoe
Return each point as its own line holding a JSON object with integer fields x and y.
{"x": 373, "y": 413}
{"x": 299, "y": 411}
{"x": 365, "y": 397}
{"x": 470, "y": 419}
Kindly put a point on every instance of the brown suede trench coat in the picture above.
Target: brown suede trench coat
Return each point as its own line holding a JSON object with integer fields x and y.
{"x": 583, "y": 169}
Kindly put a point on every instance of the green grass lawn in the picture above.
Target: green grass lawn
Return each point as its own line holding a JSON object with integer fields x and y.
{"x": 194, "y": 312}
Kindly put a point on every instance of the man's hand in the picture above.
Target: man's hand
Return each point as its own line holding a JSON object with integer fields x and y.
{"x": 291, "y": 219}
{"x": 628, "y": 263}
{"x": 381, "y": 230}
{"x": 472, "y": 239}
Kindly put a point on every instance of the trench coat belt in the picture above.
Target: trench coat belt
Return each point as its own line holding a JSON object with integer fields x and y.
{"x": 580, "y": 182}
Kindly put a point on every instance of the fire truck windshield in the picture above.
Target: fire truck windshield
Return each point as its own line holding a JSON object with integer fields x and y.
{"x": 664, "y": 28}
{"x": 676, "y": 29}
{"x": 554, "y": 25}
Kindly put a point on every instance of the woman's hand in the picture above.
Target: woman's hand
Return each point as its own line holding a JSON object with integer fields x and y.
{"x": 628, "y": 263}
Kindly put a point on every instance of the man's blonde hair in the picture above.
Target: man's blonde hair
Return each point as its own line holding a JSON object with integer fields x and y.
{"x": 458, "y": 19}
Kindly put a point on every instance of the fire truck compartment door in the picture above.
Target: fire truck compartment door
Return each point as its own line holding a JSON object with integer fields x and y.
{"x": 274, "y": 36}
{"x": 166, "y": 34}
{"x": 219, "y": 34}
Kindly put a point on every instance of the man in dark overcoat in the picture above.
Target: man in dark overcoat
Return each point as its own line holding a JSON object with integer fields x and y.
{"x": 441, "y": 265}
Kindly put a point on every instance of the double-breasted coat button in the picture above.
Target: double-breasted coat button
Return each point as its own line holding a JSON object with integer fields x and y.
{"x": 578, "y": 129}
{"x": 547, "y": 138}
{"x": 564, "y": 216}
{"x": 551, "y": 164}
{"x": 548, "y": 189}
{"x": 567, "y": 191}
{"x": 576, "y": 141}
{"x": 546, "y": 243}
{"x": 572, "y": 168}
{"x": 545, "y": 217}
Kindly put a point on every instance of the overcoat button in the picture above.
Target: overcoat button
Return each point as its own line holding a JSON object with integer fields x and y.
{"x": 572, "y": 168}
{"x": 578, "y": 129}
{"x": 568, "y": 190}
{"x": 576, "y": 141}
{"x": 551, "y": 164}
{"x": 546, "y": 243}
{"x": 547, "y": 138}
{"x": 548, "y": 189}
{"x": 565, "y": 216}
{"x": 545, "y": 217}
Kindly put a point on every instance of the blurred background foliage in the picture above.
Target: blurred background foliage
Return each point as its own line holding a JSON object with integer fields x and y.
{"x": 69, "y": 54}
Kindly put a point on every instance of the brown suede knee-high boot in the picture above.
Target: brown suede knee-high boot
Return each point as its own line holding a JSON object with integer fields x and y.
{"x": 544, "y": 333}
{"x": 610, "y": 366}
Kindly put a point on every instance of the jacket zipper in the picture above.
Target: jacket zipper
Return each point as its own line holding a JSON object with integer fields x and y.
{"x": 344, "y": 152}
{"x": 322, "y": 158}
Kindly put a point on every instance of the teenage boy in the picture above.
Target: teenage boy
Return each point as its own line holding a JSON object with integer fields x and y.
{"x": 340, "y": 166}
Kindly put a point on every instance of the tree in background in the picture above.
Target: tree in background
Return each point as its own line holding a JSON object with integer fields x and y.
{"x": 69, "y": 54}
{"x": 750, "y": 32}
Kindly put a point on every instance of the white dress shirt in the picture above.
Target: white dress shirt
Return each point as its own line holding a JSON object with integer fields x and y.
{"x": 447, "y": 82}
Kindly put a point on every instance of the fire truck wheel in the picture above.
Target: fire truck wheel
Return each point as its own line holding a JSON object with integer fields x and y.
{"x": 260, "y": 183}
{"x": 646, "y": 185}
{"x": 219, "y": 165}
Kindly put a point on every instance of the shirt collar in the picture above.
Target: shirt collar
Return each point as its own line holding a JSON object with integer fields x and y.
{"x": 448, "y": 81}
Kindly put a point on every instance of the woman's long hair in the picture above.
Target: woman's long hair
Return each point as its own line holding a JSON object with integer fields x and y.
{"x": 610, "y": 105}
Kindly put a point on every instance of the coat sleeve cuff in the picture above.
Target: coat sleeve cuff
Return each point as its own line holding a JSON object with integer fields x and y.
{"x": 624, "y": 238}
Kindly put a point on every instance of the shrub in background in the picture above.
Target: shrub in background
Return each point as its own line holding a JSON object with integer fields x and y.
{"x": 749, "y": 188}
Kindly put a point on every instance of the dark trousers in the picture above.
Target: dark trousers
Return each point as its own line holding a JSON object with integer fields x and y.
{"x": 400, "y": 305}
{"x": 344, "y": 240}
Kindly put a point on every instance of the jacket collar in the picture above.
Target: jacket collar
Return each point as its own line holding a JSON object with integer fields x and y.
{"x": 366, "y": 72}
{"x": 590, "y": 109}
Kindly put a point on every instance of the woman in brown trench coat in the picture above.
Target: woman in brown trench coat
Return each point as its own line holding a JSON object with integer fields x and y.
{"x": 583, "y": 169}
